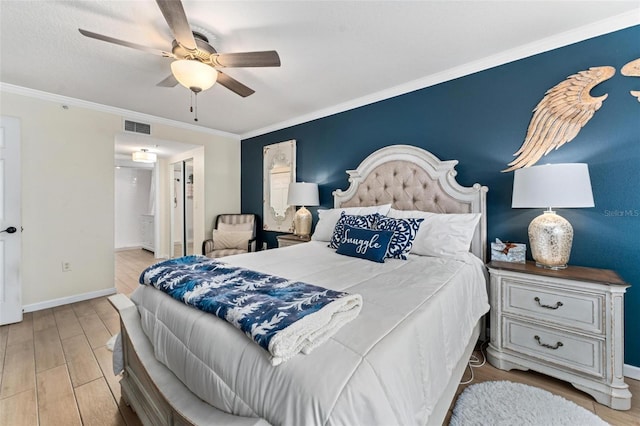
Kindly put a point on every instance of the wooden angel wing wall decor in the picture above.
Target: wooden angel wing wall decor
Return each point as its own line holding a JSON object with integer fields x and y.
{"x": 560, "y": 115}
{"x": 632, "y": 69}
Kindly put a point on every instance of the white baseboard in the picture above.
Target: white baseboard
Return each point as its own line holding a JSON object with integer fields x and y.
{"x": 631, "y": 371}
{"x": 128, "y": 248}
{"x": 66, "y": 300}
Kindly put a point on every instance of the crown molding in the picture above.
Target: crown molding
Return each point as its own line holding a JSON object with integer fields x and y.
{"x": 595, "y": 29}
{"x": 129, "y": 115}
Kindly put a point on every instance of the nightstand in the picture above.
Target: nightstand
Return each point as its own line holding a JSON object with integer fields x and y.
{"x": 286, "y": 240}
{"x": 568, "y": 324}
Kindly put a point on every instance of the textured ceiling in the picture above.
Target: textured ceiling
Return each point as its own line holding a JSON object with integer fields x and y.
{"x": 334, "y": 54}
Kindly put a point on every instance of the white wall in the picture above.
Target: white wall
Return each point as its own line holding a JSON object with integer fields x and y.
{"x": 68, "y": 211}
{"x": 67, "y": 198}
{"x": 132, "y": 190}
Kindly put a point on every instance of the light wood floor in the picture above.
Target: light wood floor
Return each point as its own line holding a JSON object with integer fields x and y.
{"x": 564, "y": 389}
{"x": 56, "y": 370}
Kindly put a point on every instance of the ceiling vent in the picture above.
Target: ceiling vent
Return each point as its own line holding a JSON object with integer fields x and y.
{"x": 132, "y": 126}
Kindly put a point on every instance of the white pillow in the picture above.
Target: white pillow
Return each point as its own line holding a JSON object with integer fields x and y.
{"x": 441, "y": 234}
{"x": 231, "y": 239}
{"x": 235, "y": 227}
{"x": 327, "y": 219}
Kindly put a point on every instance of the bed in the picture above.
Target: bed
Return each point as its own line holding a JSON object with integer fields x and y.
{"x": 183, "y": 366}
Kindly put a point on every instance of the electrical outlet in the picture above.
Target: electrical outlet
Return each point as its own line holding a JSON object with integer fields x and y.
{"x": 66, "y": 266}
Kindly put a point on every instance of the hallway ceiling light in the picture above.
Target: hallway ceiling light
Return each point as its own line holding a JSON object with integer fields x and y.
{"x": 144, "y": 156}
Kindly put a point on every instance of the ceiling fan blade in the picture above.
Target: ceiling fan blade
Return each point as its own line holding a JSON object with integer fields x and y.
{"x": 234, "y": 85}
{"x": 268, "y": 58}
{"x": 173, "y": 13}
{"x": 170, "y": 81}
{"x": 108, "y": 39}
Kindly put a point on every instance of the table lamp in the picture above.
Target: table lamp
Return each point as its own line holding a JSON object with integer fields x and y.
{"x": 552, "y": 185}
{"x": 302, "y": 194}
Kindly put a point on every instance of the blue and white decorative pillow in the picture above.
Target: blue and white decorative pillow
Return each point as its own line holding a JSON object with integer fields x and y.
{"x": 365, "y": 243}
{"x": 356, "y": 221}
{"x": 404, "y": 232}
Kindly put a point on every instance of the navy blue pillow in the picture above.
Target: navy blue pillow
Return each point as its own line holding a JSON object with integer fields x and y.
{"x": 404, "y": 232}
{"x": 357, "y": 221}
{"x": 365, "y": 243}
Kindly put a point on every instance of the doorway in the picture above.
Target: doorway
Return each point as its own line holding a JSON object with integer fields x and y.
{"x": 134, "y": 207}
{"x": 151, "y": 224}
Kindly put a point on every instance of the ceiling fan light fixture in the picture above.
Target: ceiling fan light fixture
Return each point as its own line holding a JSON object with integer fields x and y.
{"x": 144, "y": 156}
{"x": 193, "y": 74}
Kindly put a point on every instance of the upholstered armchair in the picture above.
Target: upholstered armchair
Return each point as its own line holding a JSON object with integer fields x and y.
{"x": 232, "y": 234}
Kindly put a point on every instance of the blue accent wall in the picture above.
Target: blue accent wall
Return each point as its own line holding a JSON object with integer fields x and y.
{"x": 481, "y": 120}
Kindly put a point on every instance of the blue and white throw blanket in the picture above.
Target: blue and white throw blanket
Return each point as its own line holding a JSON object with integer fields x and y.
{"x": 284, "y": 317}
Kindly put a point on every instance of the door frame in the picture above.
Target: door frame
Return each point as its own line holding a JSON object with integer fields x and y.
{"x": 197, "y": 155}
{"x": 10, "y": 216}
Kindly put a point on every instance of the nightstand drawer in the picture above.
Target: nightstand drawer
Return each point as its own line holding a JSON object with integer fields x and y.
{"x": 567, "y": 350}
{"x": 287, "y": 243}
{"x": 286, "y": 240}
{"x": 571, "y": 309}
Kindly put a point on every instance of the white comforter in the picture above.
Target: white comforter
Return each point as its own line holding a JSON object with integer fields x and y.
{"x": 388, "y": 366}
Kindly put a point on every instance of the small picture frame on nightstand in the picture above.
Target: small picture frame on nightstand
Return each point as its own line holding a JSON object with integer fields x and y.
{"x": 508, "y": 252}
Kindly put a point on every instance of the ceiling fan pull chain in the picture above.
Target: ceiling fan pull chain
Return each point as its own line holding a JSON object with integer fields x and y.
{"x": 196, "y": 115}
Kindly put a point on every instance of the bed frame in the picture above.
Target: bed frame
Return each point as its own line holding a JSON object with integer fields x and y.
{"x": 409, "y": 178}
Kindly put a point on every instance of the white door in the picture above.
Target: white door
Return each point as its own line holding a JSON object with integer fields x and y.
{"x": 10, "y": 230}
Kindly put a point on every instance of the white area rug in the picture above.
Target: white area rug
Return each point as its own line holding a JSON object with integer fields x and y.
{"x": 508, "y": 403}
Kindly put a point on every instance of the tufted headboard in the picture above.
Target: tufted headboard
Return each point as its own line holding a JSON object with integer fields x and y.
{"x": 411, "y": 178}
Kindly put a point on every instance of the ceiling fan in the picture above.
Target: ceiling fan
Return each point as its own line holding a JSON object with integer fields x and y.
{"x": 196, "y": 61}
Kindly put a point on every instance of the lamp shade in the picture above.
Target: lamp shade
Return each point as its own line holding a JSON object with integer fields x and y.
{"x": 552, "y": 185}
{"x": 193, "y": 74}
{"x": 144, "y": 156}
{"x": 303, "y": 194}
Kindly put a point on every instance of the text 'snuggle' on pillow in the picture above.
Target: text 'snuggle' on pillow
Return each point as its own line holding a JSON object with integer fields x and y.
{"x": 365, "y": 243}
{"x": 365, "y": 222}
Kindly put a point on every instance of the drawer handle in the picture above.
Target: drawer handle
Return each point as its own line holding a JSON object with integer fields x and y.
{"x": 557, "y": 305}
{"x": 546, "y": 345}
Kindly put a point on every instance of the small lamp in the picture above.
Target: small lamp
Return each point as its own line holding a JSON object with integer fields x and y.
{"x": 552, "y": 185}
{"x": 302, "y": 194}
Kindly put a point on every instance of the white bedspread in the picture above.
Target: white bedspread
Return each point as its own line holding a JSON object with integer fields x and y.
{"x": 388, "y": 366}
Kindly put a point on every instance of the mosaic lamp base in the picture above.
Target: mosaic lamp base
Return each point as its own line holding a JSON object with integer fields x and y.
{"x": 302, "y": 222}
{"x": 550, "y": 237}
